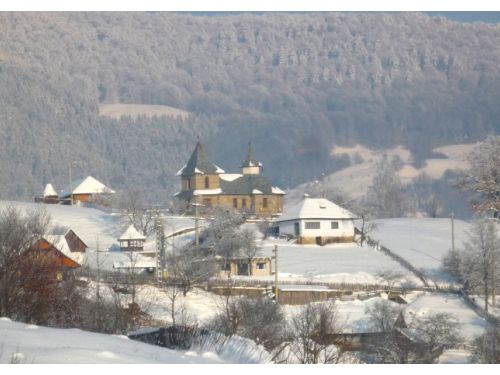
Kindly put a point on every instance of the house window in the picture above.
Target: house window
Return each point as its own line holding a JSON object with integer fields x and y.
{"x": 264, "y": 202}
{"x": 244, "y": 203}
{"x": 335, "y": 225}
{"x": 313, "y": 225}
{"x": 207, "y": 182}
{"x": 207, "y": 202}
{"x": 235, "y": 203}
{"x": 226, "y": 267}
{"x": 189, "y": 183}
{"x": 261, "y": 266}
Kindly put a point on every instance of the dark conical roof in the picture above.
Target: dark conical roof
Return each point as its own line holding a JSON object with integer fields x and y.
{"x": 250, "y": 160}
{"x": 199, "y": 163}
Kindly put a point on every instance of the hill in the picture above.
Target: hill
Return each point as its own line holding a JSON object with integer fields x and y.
{"x": 293, "y": 84}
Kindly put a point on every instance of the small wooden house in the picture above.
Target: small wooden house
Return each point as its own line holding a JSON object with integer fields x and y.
{"x": 261, "y": 266}
{"x": 50, "y": 195}
{"x": 132, "y": 240}
{"x": 85, "y": 190}
{"x": 50, "y": 258}
{"x": 317, "y": 221}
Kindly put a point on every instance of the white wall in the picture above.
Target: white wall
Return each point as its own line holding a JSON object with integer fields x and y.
{"x": 345, "y": 229}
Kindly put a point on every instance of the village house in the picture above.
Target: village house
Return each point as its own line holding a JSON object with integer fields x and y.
{"x": 50, "y": 195}
{"x": 260, "y": 266}
{"x": 58, "y": 253}
{"x": 85, "y": 190}
{"x": 317, "y": 221}
{"x": 204, "y": 183}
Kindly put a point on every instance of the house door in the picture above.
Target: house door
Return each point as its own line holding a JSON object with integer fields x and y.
{"x": 296, "y": 227}
{"x": 318, "y": 241}
{"x": 242, "y": 269}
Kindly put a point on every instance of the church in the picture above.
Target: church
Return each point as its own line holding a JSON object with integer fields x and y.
{"x": 204, "y": 183}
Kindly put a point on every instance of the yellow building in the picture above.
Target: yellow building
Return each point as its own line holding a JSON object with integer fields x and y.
{"x": 205, "y": 183}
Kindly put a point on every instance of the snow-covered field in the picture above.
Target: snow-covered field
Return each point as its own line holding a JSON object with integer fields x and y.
{"x": 26, "y": 343}
{"x": 348, "y": 263}
{"x": 471, "y": 324}
{"x": 422, "y": 242}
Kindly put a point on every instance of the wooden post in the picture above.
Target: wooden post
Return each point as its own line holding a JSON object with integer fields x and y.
{"x": 276, "y": 290}
{"x": 453, "y": 232}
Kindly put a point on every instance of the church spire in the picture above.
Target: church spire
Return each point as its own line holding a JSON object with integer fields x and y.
{"x": 199, "y": 163}
{"x": 251, "y": 165}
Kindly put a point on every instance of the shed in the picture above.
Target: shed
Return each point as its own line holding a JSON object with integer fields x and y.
{"x": 50, "y": 194}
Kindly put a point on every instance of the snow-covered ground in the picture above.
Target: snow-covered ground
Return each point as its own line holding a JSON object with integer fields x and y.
{"x": 26, "y": 343}
{"x": 348, "y": 263}
{"x": 422, "y": 242}
{"x": 471, "y": 324}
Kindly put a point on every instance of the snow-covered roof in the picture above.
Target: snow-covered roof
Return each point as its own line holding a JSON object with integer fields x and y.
{"x": 207, "y": 191}
{"x": 179, "y": 172}
{"x": 298, "y": 287}
{"x": 60, "y": 243}
{"x": 88, "y": 185}
{"x": 277, "y": 190}
{"x": 49, "y": 191}
{"x": 230, "y": 176}
{"x": 256, "y": 191}
{"x": 140, "y": 263}
{"x": 315, "y": 208}
{"x": 132, "y": 234}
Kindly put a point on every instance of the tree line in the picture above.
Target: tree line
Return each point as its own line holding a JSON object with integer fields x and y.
{"x": 291, "y": 84}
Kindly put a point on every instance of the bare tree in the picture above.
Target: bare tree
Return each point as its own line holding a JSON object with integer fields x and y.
{"x": 480, "y": 261}
{"x": 313, "y": 330}
{"x": 391, "y": 278}
{"x": 420, "y": 341}
{"x": 486, "y": 348}
{"x": 382, "y": 315}
{"x": 137, "y": 212}
{"x": 259, "y": 319}
{"x": 386, "y": 195}
{"x": 483, "y": 176}
{"x": 18, "y": 232}
{"x": 438, "y": 331}
{"x": 248, "y": 247}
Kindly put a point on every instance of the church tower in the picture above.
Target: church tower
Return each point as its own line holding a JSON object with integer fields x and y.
{"x": 199, "y": 173}
{"x": 251, "y": 165}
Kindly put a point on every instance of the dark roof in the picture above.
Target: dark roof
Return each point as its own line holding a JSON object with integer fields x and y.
{"x": 250, "y": 160}
{"x": 245, "y": 185}
{"x": 199, "y": 160}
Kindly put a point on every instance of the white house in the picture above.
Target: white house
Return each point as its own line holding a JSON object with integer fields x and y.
{"x": 317, "y": 220}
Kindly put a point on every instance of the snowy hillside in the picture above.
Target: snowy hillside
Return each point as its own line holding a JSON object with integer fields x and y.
{"x": 422, "y": 242}
{"x": 26, "y": 343}
{"x": 348, "y": 263}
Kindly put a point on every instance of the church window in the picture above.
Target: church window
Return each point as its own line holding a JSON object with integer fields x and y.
{"x": 264, "y": 202}
{"x": 207, "y": 182}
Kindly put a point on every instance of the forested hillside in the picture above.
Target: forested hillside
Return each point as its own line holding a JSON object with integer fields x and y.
{"x": 293, "y": 84}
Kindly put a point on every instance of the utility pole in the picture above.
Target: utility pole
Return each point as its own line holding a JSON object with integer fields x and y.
{"x": 160, "y": 247}
{"x": 275, "y": 252}
{"x": 452, "y": 231}
{"x": 196, "y": 227}
{"x": 71, "y": 181}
